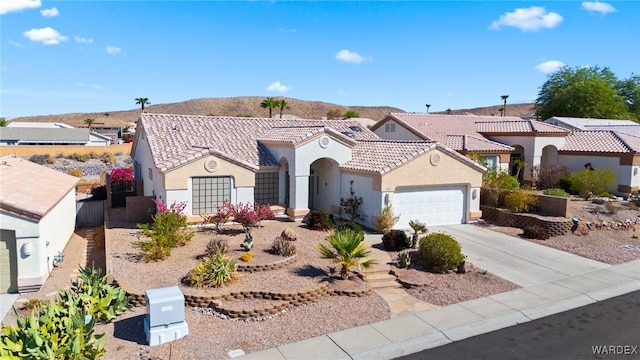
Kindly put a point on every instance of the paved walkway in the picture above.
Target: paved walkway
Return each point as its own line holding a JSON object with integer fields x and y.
{"x": 553, "y": 281}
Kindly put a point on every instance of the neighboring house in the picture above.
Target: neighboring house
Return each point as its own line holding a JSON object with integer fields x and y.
{"x": 537, "y": 143}
{"x": 303, "y": 165}
{"x": 51, "y": 136}
{"x": 577, "y": 124}
{"x": 109, "y": 127}
{"x": 37, "y": 218}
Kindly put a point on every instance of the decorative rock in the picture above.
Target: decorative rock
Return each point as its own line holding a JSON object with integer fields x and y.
{"x": 599, "y": 201}
{"x": 289, "y": 234}
{"x": 581, "y": 229}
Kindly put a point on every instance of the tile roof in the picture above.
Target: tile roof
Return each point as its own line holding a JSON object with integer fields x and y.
{"x": 474, "y": 143}
{"x": 519, "y": 126}
{"x": 298, "y": 134}
{"x": 177, "y": 139}
{"x": 30, "y": 190}
{"x": 601, "y": 141}
{"x": 382, "y": 156}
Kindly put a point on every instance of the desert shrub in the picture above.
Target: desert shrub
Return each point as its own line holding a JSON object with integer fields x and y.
{"x": 168, "y": 230}
{"x": 320, "y": 219}
{"x": 350, "y": 225}
{"x": 611, "y": 207}
{"x": 216, "y": 246}
{"x": 92, "y": 292}
{"x": 351, "y": 205}
{"x": 283, "y": 247}
{"x": 213, "y": 272}
{"x": 535, "y": 232}
{"x": 556, "y": 192}
{"x": 246, "y": 257}
{"x": 75, "y": 172}
{"x": 566, "y": 185}
{"x": 590, "y": 182}
{"x": 404, "y": 259}
{"x": 606, "y": 194}
{"x": 386, "y": 219}
{"x": 119, "y": 153}
{"x": 440, "y": 250}
{"x": 495, "y": 181}
{"x": 93, "y": 155}
{"x": 223, "y": 214}
{"x": 79, "y": 157}
{"x": 547, "y": 177}
{"x": 108, "y": 158}
{"x": 396, "y": 240}
{"x": 32, "y": 304}
{"x": 42, "y": 159}
{"x": 521, "y": 200}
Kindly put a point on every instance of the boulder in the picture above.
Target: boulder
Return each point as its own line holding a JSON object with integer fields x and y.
{"x": 289, "y": 234}
{"x": 580, "y": 229}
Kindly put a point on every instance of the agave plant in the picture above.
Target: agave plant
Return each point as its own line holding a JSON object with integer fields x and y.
{"x": 347, "y": 251}
{"x": 213, "y": 271}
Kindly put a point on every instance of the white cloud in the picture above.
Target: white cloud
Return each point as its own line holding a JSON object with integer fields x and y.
{"x": 7, "y": 6}
{"x": 529, "y": 19}
{"x": 596, "y": 6}
{"x": 278, "y": 87}
{"x": 53, "y": 12}
{"x": 112, "y": 50}
{"x": 352, "y": 57}
{"x": 83, "y": 40}
{"x": 550, "y": 66}
{"x": 47, "y": 36}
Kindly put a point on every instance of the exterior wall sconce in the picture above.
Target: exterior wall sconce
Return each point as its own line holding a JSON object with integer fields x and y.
{"x": 27, "y": 248}
{"x": 387, "y": 199}
{"x": 474, "y": 194}
{"x": 635, "y": 171}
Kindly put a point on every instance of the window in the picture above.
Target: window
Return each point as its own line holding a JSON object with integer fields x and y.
{"x": 267, "y": 186}
{"x": 390, "y": 127}
{"x": 150, "y": 174}
{"x": 210, "y": 192}
{"x": 492, "y": 161}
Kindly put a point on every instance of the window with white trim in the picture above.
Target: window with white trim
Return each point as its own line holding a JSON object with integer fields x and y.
{"x": 390, "y": 127}
{"x": 208, "y": 193}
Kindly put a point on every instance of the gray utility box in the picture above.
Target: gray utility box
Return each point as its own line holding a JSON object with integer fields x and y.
{"x": 165, "y": 315}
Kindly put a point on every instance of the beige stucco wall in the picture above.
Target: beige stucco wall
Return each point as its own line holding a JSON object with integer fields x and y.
{"x": 421, "y": 172}
{"x": 179, "y": 178}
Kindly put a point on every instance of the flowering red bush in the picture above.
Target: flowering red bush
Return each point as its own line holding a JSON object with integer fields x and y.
{"x": 121, "y": 174}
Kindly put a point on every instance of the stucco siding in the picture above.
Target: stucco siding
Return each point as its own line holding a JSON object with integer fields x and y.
{"x": 421, "y": 172}
{"x": 179, "y": 178}
{"x": 624, "y": 174}
{"x": 56, "y": 228}
{"x": 153, "y": 180}
{"x": 371, "y": 199}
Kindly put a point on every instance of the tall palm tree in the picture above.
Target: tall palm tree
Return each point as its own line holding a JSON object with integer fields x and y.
{"x": 107, "y": 114}
{"x": 89, "y": 122}
{"x": 283, "y": 104}
{"x": 269, "y": 103}
{"x": 348, "y": 251}
{"x": 504, "y": 108}
{"x": 448, "y": 111}
{"x": 142, "y": 102}
{"x": 428, "y": 106}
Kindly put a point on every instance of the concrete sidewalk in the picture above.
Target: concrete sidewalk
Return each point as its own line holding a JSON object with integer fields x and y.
{"x": 553, "y": 281}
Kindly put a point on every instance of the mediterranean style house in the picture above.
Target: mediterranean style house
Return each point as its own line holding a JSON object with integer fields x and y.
{"x": 304, "y": 165}
{"x": 505, "y": 140}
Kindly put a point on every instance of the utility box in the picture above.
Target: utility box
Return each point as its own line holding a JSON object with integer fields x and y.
{"x": 165, "y": 315}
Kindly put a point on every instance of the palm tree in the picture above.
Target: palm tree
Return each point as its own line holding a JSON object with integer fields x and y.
{"x": 428, "y": 106}
{"x": 448, "y": 111}
{"x": 269, "y": 103}
{"x": 142, "y": 102}
{"x": 282, "y": 104}
{"x": 107, "y": 114}
{"x": 418, "y": 228}
{"x": 89, "y": 122}
{"x": 504, "y": 108}
{"x": 348, "y": 251}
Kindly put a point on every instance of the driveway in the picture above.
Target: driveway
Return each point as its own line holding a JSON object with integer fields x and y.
{"x": 522, "y": 262}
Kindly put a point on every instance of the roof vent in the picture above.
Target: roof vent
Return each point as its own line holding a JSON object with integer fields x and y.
{"x": 174, "y": 128}
{"x": 355, "y": 128}
{"x": 349, "y": 134}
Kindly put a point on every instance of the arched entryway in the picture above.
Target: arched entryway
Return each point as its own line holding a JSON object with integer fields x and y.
{"x": 549, "y": 156}
{"x": 324, "y": 184}
{"x": 516, "y": 164}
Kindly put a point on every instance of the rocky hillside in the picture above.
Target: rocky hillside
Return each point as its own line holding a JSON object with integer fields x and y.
{"x": 250, "y": 105}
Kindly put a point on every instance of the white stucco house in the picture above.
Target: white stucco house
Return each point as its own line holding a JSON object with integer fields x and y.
{"x": 582, "y": 124}
{"x": 503, "y": 140}
{"x": 37, "y": 219}
{"x": 302, "y": 165}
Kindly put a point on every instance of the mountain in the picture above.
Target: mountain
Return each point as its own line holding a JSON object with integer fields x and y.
{"x": 525, "y": 111}
{"x": 250, "y": 105}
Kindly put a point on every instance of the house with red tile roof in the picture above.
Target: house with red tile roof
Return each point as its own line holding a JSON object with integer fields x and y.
{"x": 504, "y": 140}
{"x": 37, "y": 219}
{"x": 302, "y": 165}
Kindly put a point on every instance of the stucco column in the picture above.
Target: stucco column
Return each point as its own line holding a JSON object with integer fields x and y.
{"x": 298, "y": 197}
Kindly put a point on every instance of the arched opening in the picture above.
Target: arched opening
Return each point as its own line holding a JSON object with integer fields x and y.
{"x": 516, "y": 164}
{"x": 324, "y": 184}
{"x": 549, "y": 156}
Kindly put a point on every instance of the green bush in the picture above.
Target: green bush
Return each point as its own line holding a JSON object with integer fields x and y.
{"x": 549, "y": 176}
{"x": 396, "y": 240}
{"x": 606, "y": 194}
{"x": 496, "y": 181}
{"x": 320, "y": 219}
{"x": 168, "y": 230}
{"x": 350, "y": 225}
{"x": 213, "y": 271}
{"x": 556, "y": 192}
{"x": 440, "y": 251}
{"x": 521, "y": 200}
{"x": 591, "y": 182}
{"x": 283, "y": 247}
{"x": 535, "y": 232}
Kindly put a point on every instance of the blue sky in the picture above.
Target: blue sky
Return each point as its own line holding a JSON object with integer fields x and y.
{"x": 95, "y": 56}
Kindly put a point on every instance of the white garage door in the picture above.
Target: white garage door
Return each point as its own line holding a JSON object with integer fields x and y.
{"x": 432, "y": 206}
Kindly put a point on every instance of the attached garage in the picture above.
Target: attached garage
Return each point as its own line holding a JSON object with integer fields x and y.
{"x": 8, "y": 262}
{"x": 434, "y": 206}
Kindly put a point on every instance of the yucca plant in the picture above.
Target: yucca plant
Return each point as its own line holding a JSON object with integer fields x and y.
{"x": 213, "y": 271}
{"x": 347, "y": 251}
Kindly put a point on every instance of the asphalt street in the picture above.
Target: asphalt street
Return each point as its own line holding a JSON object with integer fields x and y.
{"x": 609, "y": 329}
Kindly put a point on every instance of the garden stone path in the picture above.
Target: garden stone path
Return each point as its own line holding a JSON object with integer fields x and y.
{"x": 384, "y": 284}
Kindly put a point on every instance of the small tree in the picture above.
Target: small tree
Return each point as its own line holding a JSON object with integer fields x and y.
{"x": 347, "y": 251}
{"x": 592, "y": 182}
{"x": 386, "y": 219}
{"x": 351, "y": 205}
{"x": 89, "y": 122}
{"x": 334, "y": 114}
{"x": 351, "y": 114}
{"x": 496, "y": 181}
